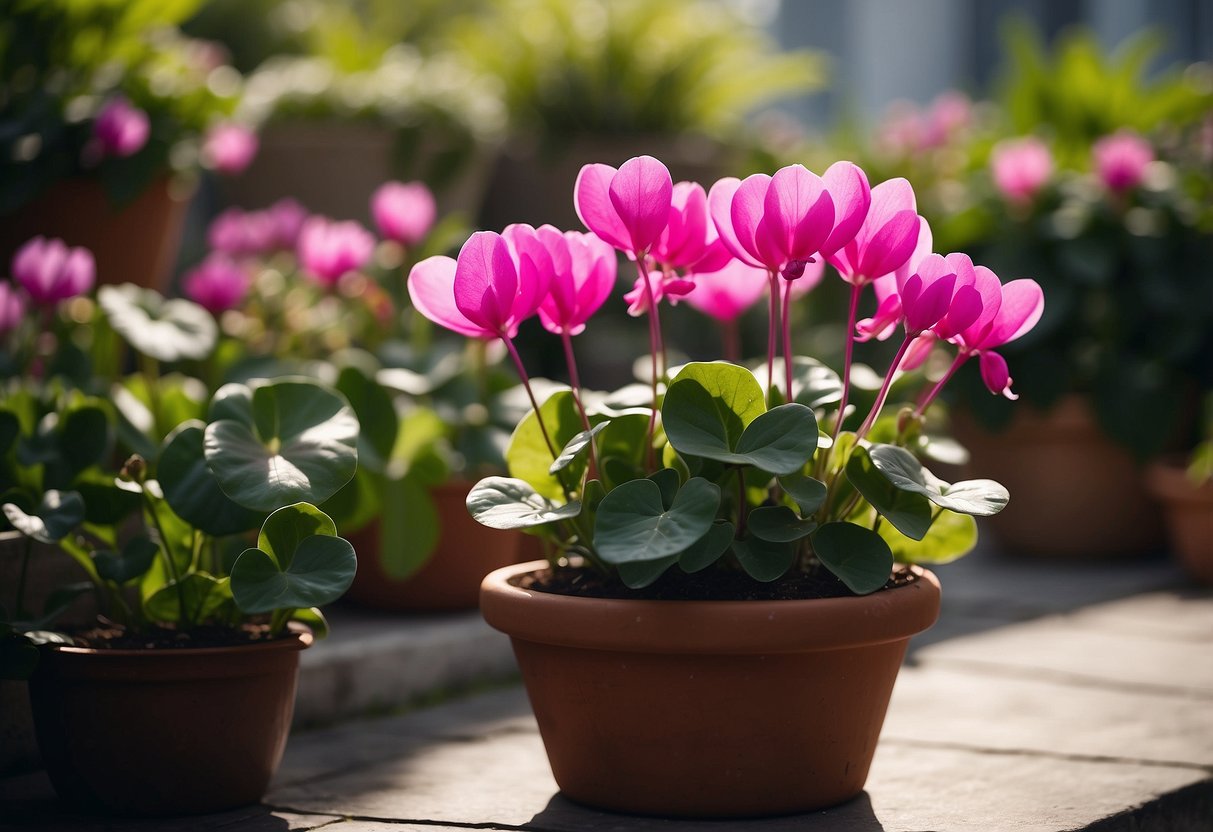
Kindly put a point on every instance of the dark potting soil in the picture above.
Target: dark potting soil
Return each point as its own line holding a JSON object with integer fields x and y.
{"x": 112, "y": 637}
{"x": 707, "y": 585}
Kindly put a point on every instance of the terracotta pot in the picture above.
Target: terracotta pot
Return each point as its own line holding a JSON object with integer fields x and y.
{"x": 1074, "y": 492}
{"x": 708, "y": 708}
{"x": 134, "y": 243}
{"x": 168, "y": 731}
{"x": 1189, "y": 513}
{"x": 450, "y": 580}
{"x": 344, "y": 163}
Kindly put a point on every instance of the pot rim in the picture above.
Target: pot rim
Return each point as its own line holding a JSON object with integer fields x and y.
{"x": 707, "y": 627}
{"x": 295, "y": 640}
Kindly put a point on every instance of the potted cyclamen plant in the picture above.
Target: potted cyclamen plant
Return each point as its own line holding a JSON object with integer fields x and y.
{"x": 304, "y": 294}
{"x": 1186, "y": 494}
{"x": 724, "y": 542}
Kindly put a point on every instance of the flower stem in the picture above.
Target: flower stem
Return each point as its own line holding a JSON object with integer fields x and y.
{"x": 655, "y": 348}
{"x": 772, "y": 328}
{"x": 961, "y": 358}
{"x": 571, "y": 360}
{"x": 787, "y": 338}
{"x": 526, "y": 383}
{"x": 850, "y": 353}
{"x": 884, "y": 389}
{"x": 730, "y": 340}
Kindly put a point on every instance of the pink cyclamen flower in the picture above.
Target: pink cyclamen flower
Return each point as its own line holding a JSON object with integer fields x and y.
{"x": 1008, "y": 312}
{"x": 404, "y": 211}
{"x": 583, "y": 275}
{"x": 1020, "y": 167}
{"x": 229, "y": 148}
{"x": 887, "y": 237}
{"x": 241, "y": 233}
{"x": 49, "y": 271}
{"x": 328, "y": 249}
{"x": 121, "y": 128}
{"x": 728, "y": 292}
{"x": 1120, "y": 160}
{"x": 690, "y": 239}
{"x": 12, "y": 307}
{"x": 286, "y": 218}
{"x": 218, "y": 283}
{"x": 489, "y": 289}
{"x": 629, "y": 207}
{"x": 888, "y": 301}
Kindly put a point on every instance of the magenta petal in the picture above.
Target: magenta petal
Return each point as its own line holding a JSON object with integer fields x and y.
{"x": 919, "y": 351}
{"x": 535, "y": 270}
{"x": 746, "y": 212}
{"x": 1023, "y": 303}
{"x": 889, "y": 198}
{"x": 726, "y": 293}
{"x": 989, "y": 287}
{"x": 720, "y": 206}
{"x": 486, "y": 281}
{"x": 687, "y": 234}
{"x": 798, "y": 213}
{"x": 591, "y": 198}
{"x": 888, "y": 315}
{"x": 851, "y": 194}
{"x": 891, "y": 246}
{"x": 963, "y": 312}
{"x": 996, "y": 374}
{"x": 641, "y": 193}
{"x": 432, "y": 291}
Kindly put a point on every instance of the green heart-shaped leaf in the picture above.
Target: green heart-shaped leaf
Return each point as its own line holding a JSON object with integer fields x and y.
{"x": 232, "y": 401}
{"x": 314, "y": 620}
{"x": 376, "y": 414}
{"x": 951, "y": 535}
{"x": 909, "y": 511}
{"x": 764, "y": 560}
{"x": 708, "y": 549}
{"x": 808, "y": 493}
{"x": 409, "y": 530}
{"x": 573, "y": 448}
{"x": 708, "y": 406}
{"x": 192, "y": 491}
{"x": 135, "y": 559}
{"x": 203, "y": 595}
{"x": 166, "y": 330}
{"x": 508, "y": 503}
{"x": 669, "y": 481}
{"x": 301, "y": 447}
{"x": 778, "y": 524}
{"x": 780, "y": 441}
{"x": 56, "y": 515}
{"x": 321, "y": 570}
{"x": 633, "y": 524}
{"x": 84, "y": 436}
{"x": 859, "y": 557}
{"x": 978, "y": 497}
{"x": 286, "y": 528}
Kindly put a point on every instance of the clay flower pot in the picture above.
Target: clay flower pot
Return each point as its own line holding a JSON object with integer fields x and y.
{"x": 1075, "y": 493}
{"x": 135, "y": 243}
{"x": 1189, "y": 514}
{"x": 708, "y": 708}
{"x": 450, "y": 580}
{"x": 165, "y": 731}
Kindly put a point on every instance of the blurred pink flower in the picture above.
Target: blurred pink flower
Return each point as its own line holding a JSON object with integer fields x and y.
{"x": 1020, "y": 167}
{"x": 121, "y": 128}
{"x": 49, "y": 271}
{"x": 488, "y": 290}
{"x": 12, "y": 307}
{"x": 629, "y": 207}
{"x": 218, "y": 283}
{"x": 328, "y": 249}
{"x": 404, "y": 211}
{"x": 286, "y": 219}
{"x": 1120, "y": 160}
{"x": 949, "y": 114}
{"x": 728, "y": 292}
{"x": 229, "y": 148}
{"x": 242, "y": 233}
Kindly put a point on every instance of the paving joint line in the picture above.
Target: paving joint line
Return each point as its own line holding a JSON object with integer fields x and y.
{"x": 1054, "y": 755}
{"x": 1061, "y": 677}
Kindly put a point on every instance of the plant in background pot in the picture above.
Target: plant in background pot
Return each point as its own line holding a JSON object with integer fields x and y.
{"x": 725, "y": 542}
{"x": 108, "y": 112}
{"x": 1185, "y": 491}
{"x": 178, "y": 698}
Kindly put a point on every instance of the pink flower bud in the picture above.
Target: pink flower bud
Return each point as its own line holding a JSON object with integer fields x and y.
{"x": 50, "y": 272}
{"x": 121, "y": 128}
{"x": 229, "y": 148}
{"x": 218, "y": 283}
{"x": 1120, "y": 160}
{"x": 404, "y": 211}
{"x": 1020, "y": 167}
{"x": 328, "y": 249}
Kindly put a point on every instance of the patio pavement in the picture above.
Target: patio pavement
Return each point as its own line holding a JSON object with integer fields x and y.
{"x": 1047, "y": 698}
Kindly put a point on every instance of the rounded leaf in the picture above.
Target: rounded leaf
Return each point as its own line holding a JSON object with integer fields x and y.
{"x": 192, "y": 490}
{"x": 166, "y": 330}
{"x": 321, "y": 570}
{"x": 633, "y": 524}
{"x": 859, "y": 557}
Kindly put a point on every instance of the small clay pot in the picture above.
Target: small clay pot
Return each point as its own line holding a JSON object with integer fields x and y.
{"x": 133, "y": 243}
{"x": 165, "y": 731}
{"x": 708, "y": 708}
{"x": 450, "y": 580}
{"x": 1074, "y": 492}
{"x": 1189, "y": 513}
